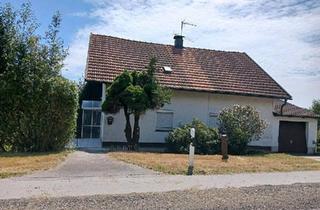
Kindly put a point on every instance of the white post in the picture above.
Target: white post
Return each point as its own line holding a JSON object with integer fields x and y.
{"x": 191, "y": 155}
{"x": 191, "y": 152}
{"x": 192, "y": 133}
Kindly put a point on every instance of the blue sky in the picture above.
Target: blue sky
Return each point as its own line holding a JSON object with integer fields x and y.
{"x": 282, "y": 36}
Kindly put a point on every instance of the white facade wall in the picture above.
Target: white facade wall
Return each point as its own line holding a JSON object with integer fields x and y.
{"x": 187, "y": 105}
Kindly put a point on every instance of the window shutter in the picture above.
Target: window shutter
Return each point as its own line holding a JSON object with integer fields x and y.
{"x": 164, "y": 121}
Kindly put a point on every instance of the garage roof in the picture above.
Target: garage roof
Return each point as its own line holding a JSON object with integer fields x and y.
{"x": 291, "y": 110}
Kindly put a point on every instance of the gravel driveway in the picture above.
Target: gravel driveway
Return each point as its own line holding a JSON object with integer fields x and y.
{"x": 297, "y": 196}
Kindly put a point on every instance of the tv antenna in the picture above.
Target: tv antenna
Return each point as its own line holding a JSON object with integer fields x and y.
{"x": 186, "y": 23}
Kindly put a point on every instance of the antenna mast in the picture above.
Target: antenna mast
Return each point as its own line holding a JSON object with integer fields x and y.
{"x": 185, "y": 23}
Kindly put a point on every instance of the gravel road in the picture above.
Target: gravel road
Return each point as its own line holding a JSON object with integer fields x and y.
{"x": 296, "y": 196}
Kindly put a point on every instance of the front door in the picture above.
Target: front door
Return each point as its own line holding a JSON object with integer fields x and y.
{"x": 292, "y": 137}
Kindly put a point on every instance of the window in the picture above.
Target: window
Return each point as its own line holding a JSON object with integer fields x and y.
{"x": 91, "y": 104}
{"x": 213, "y": 120}
{"x": 91, "y": 119}
{"x": 167, "y": 69}
{"x": 164, "y": 121}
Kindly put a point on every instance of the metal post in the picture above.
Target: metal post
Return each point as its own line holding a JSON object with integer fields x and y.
{"x": 224, "y": 147}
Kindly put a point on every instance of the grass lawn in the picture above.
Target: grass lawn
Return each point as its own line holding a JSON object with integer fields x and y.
{"x": 212, "y": 164}
{"x": 17, "y": 164}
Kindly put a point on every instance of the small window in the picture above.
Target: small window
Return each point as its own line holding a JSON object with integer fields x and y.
{"x": 167, "y": 69}
{"x": 164, "y": 121}
{"x": 213, "y": 120}
{"x": 91, "y": 104}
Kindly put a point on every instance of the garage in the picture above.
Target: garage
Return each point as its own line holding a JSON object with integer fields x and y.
{"x": 296, "y": 129}
{"x": 292, "y": 137}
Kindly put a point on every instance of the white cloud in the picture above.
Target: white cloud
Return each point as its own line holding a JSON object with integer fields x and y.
{"x": 278, "y": 35}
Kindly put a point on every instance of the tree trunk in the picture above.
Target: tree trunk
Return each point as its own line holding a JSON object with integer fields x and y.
{"x": 128, "y": 129}
{"x": 136, "y": 131}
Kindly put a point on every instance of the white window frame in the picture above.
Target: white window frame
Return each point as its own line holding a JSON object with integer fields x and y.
{"x": 164, "y": 129}
{"x": 95, "y": 106}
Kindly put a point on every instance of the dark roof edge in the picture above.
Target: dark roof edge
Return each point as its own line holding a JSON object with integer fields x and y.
{"x": 289, "y": 96}
{"x": 208, "y": 91}
{"x": 298, "y": 116}
{"x": 229, "y": 93}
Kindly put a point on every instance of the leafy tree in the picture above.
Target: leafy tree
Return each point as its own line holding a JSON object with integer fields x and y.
{"x": 316, "y": 106}
{"x": 37, "y": 105}
{"x": 205, "y": 141}
{"x": 242, "y": 124}
{"x": 316, "y": 109}
{"x": 135, "y": 92}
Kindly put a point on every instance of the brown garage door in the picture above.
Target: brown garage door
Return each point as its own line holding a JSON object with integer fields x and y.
{"x": 292, "y": 137}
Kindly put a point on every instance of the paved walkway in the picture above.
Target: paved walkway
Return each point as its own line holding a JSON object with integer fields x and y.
{"x": 92, "y": 174}
{"x": 82, "y": 164}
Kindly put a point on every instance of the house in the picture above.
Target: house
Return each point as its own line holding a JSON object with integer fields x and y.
{"x": 203, "y": 82}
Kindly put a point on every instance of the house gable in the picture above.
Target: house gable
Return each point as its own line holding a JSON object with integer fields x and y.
{"x": 192, "y": 68}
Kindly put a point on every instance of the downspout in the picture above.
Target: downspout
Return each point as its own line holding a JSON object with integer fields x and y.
{"x": 281, "y": 109}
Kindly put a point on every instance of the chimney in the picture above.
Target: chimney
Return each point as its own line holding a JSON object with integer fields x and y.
{"x": 178, "y": 41}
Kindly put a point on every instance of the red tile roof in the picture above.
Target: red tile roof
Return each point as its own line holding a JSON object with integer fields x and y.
{"x": 291, "y": 110}
{"x": 192, "y": 68}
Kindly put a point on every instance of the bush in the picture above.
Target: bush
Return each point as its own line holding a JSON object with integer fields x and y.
{"x": 45, "y": 122}
{"x": 242, "y": 124}
{"x": 205, "y": 141}
{"x": 61, "y": 115}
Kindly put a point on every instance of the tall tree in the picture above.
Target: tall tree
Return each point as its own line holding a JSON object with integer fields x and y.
{"x": 135, "y": 92}
{"x": 37, "y": 105}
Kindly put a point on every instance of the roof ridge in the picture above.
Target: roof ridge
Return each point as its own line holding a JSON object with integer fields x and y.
{"x": 169, "y": 45}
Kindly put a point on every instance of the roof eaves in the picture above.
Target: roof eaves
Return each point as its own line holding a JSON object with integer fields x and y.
{"x": 289, "y": 96}
{"x": 87, "y": 62}
{"x": 276, "y": 114}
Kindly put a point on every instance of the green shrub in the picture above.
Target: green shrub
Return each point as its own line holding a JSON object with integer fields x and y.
{"x": 242, "y": 124}
{"x": 61, "y": 115}
{"x": 205, "y": 141}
